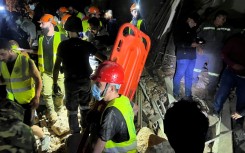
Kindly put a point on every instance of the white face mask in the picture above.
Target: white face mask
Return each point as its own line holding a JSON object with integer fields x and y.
{"x": 32, "y": 6}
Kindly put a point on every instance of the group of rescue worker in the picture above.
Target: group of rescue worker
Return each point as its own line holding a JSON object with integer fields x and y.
{"x": 204, "y": 46}
{"x": 62, "y": 76}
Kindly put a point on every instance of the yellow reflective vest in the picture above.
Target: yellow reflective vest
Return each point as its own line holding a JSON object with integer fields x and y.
{"x": 56, "y": 42}
{"x": 19, "y": 84}
{"x": 138, "y": 25}
{"x": 80, "y": 15}
{"x": 123, "y": 105}
{"x": 62, "y": 30}
{"x": 86, "y": 25}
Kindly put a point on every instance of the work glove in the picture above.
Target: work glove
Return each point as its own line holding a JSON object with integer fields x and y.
{"x": 56, "y": 90}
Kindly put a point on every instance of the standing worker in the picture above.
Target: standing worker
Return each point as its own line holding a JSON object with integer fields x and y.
{"x": 233, "y": 76}
{"x": 117, "y": 130}
{"x": 47, "y": 49}
{"x": 23, "y": 81}
{"x": 77, "y": 71}
{"x": 186, "y": 44}
{"x": 136, "y": 19}
{"x": 215, "y": 34}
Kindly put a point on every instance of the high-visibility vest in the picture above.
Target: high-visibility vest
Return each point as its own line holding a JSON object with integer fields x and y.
{"x": 123, "y": 105}
{"x": 19, "y": 84}
{"x": 80, "y": 15}
{"x": 85, "y": 25}
{"x": 56, "y": 42}
{"x": 138, "y": 25}
{"x": 61, "y": 29}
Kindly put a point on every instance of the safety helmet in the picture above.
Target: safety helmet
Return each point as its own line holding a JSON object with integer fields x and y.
{"x": 93, "y": 10}
{"x": 63, "y": 9}
{"x": 47, "y": 18}
{"x": 133, "y": 7}
{"x": 73, "y": 24}
{"x": 64, "y": 18}
{"x": 110, "y": 72}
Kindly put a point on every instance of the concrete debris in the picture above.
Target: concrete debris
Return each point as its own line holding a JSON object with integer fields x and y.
{"x": 61, "y": 126}
{"x": 142, "y": 139}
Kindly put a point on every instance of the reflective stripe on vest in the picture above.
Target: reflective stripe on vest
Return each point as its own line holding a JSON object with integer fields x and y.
{"x": 123, "y": 105}
{"x": 209, "y": 73}
{"x": 56, "y": 43}
{"x": 19, "y": 85}
{"x": 219, "y": 29}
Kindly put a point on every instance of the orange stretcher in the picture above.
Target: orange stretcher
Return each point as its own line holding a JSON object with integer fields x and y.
{"x": 130, "y": 51}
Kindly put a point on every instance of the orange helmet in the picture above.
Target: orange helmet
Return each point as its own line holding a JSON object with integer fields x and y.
{"x": 110, "y": 72}
{"x": 133, "y": 7}
{"x": 93, "y": 10}
{"x": 47, "y": 18}
{"x": 63, "y": 9}
{"x": 64, "y": 18}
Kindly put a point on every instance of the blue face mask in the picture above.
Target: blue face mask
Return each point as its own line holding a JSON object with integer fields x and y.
{"x": 96, "y": 92}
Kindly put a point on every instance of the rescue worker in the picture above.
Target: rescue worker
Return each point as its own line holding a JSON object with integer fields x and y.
{"x": 92, "y": 12}
{"x": 62, "y": 11}
{"x": 64, "y": 19}
{"x": 185, "y": 39}
{"x": 22, "y": 79}
{"x": 15, "y": 136}
{"x": 62, "y": 23}
{"x": 136, "y": 20}
{"x": 111, "y": 25}
{"x": 117, "y": 131}
{"x": 74, "y": 11}
{"x": 233, "y": 76}
{"x": 214, "y": 33}
{"x": 97, "y": 34}
{"x": 77, "y": 71}
{"x": 47, "y": 49}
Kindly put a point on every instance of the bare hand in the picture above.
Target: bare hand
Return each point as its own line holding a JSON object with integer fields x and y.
{"x": 236, "y": 116}
{"x": 34, "y": 102}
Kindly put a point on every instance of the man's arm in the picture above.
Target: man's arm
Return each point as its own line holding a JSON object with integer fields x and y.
{"x": 99, "y": 146}
{"x": 34, "y": 73}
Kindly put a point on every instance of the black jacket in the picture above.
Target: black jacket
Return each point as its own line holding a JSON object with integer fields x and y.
{"x": 184, "y": 36}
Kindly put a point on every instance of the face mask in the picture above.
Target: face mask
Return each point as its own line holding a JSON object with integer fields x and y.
{"x": 32, "y": 7}
{"x": 45, "y": 31}
{"x": 96, "y": 92}
{"x": 18, "y": 22}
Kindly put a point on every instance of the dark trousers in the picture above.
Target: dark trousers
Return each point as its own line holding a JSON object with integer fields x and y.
{"x": 28, "y": 114}
{"x": 78, "y": 93}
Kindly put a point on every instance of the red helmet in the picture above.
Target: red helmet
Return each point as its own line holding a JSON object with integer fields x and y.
{"x": 93, "y": 10}
{"x": 110, "y": 72}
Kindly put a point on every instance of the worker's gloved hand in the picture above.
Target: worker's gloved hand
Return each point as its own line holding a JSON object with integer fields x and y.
{"x": 56, "y": 90}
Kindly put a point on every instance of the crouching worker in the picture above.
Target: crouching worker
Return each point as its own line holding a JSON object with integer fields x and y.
{"x": 116, "y": 130}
